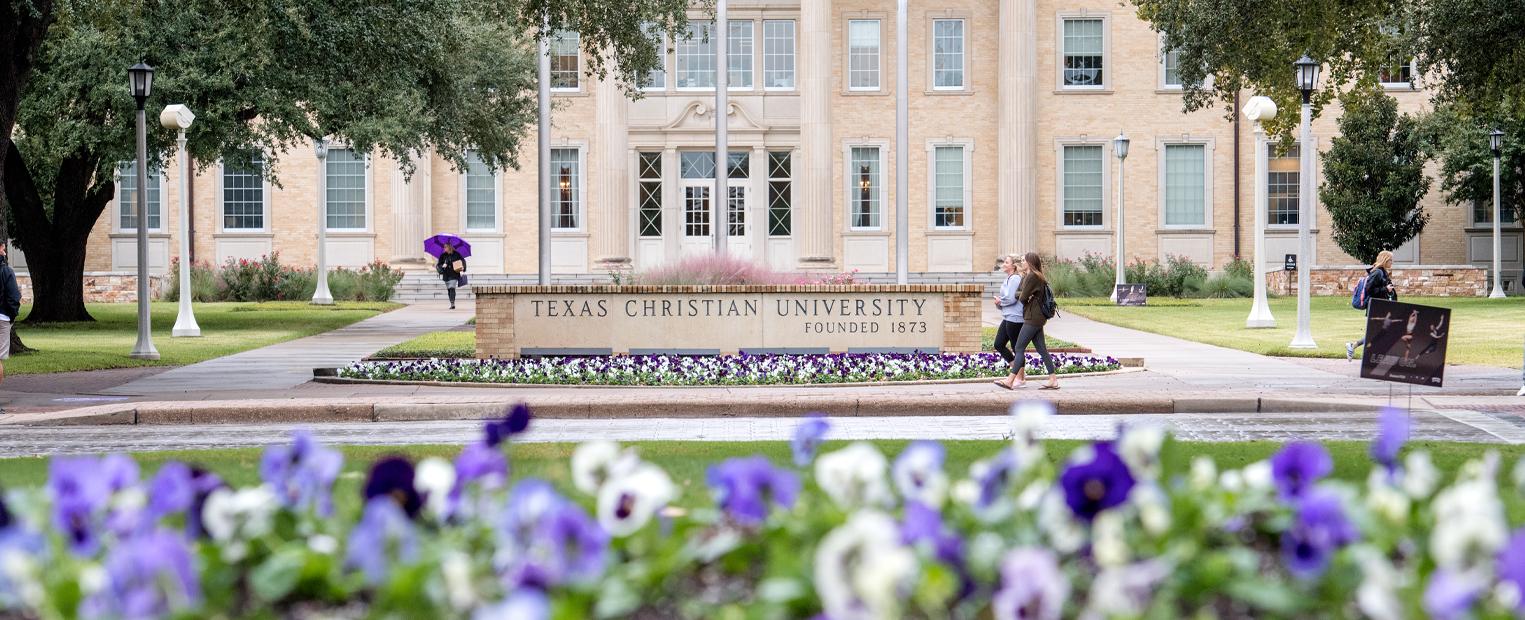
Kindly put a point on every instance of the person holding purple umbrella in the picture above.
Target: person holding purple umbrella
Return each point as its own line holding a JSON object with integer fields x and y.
{"x": 451, "y": 265}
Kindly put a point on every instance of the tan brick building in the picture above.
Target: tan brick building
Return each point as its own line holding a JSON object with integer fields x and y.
{"x": 1013, "y": 106}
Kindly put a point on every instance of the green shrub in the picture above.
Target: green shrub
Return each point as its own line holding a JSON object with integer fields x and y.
{"x": 267, "y": 277}
{"x": 1240, "y": 268}
{"x": 1222, "y": 286}
{"x": 1152, "y": 275}
{"x": 238, "y": 278}
{"x": 1180, "y": 272}
{"x": 203, "y": 283}
{"x": 377, "y": 281}
{"x": 298, "y": 285}
{"x": 343, "y": 284}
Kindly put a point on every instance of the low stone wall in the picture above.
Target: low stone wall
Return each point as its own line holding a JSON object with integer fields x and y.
{"x": 103, "y": 287}
{"x": 514, "y": 321}
{"x": 1416, "y": 281}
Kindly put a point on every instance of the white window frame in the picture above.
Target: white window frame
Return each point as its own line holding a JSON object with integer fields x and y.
{"x": 576, "y": 38}
{"x": 697, "y": 39}
{"x": 850, "y": 189}
{"x": 1106, "y": 182}
{"x": 370, "y": 218}
{"x": 767, "y": 197}
{"x": 661, "y": 182}
{"x": 1208, "y": 146}
{"x": 580, "y": 205}
{"x": 847, "y": 56}
{"x": 1318, "y": 173}
{"x": 1413, "y": 65}
{"x": 732, "y": 56}
{"x": 967, "y": 144}
{"x": 662, "y": 56}
{"x": 497, "y": 200}
{"x": 222, "y": 213}
{"x": 1106, "y": 52}
{"x": 116, "y": 202}
{"x": 793, "y": 55}
{"x": 1164, "y": 68}
{"x": 963, "y": 72}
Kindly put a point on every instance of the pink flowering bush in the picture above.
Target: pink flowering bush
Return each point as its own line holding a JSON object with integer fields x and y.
{"x": 268, "y": 279}
{"x": 728, "y": 270}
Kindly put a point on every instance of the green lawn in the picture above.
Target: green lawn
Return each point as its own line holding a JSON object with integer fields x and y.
{"x": 686, "y": 461}
{"x": 225, "y": 328}
{"x": 1484, "y": 331}
{"x": 464, "y": 344}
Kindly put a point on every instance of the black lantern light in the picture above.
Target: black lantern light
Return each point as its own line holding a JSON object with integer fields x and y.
{"x": 1307, "y": 76}
{"x": 1496, "y": 141}
{"x": 142, "y": 82}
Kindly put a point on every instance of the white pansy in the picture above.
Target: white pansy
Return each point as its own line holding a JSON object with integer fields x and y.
{"x": 1385, "y": 500}
{"x": 238, "y": 515}
{"x": 1124, "y": 590}
{"x": 1517, "y": 475}
{"x": 1028, "y": 417}
{"x": 985, "y": 551}
{"x": 862, "y": 570}
{"x": 323, "y": 544}
{"x": 434, "y": 478}
{"x": 20, "y": 569}
{"x": 1419, "y": 475}
{"x": 854, "y": 476}
{"x": 1257, "y": 476}
{"x": 92, "y": 577}
{"x": 455, "y": 569}
{"x": 1153, "y": 508}
{"x": 1032, "y": 496}
{"x": 627, "y": 502}
{"x": 1231, "y": 481}
{"x": 1506, "y": 594}
{"x": 1139, "y": 446}
{"x": 1204, "y": 472}
{"x": 1065, "y": 533}
{"x": 1377, "y": 596}
{"x": 1469, "y": 524}
{"x": 1109, "y": 541}
{"x": 597, "y": 462}
{"x": 919, "y": 476}
{"x": 966, "y": 492}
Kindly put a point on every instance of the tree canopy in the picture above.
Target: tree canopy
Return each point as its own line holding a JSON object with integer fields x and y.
{"x": 1374, "y": 177}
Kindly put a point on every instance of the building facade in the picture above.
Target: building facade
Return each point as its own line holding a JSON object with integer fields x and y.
{"x": 1013, "y": 106}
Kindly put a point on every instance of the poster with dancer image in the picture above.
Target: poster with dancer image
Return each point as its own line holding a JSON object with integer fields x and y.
{"x": 1130, "y": 294}
{"x": 1406, "y": 343}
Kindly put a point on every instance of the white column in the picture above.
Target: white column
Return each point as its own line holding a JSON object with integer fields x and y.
{"x": 1016, "y": 179}
{"x": 611, "y": 246}
{"x": 813, "y": 178}
{"x": 321, "y": 295}
{"x": 1260, "y": 312}
{"x": 720, "y": 202}
{"x": 412, "y": 217}
{"x": 185, "y": 320}
{"x": 1303, "y": 339}
{"x": 902, "y": 146}
{"x": 543, "y": 136}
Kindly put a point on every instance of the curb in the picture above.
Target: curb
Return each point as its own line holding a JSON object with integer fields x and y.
{"x": 329, "y": 376}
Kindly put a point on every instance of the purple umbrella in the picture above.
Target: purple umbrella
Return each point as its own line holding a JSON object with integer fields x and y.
{"x": 435, "y": 245}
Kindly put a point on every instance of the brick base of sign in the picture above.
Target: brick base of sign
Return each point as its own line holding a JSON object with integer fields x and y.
{"x": 103, "y": 287}
{"x": 1417, "y": 281}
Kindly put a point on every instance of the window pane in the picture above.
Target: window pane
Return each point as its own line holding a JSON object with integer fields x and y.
{"x": 566, "y": 207}
{"x": 1172, "y": 68}
{"x": 738, "y": 54}
{"x": 1082, "y": 185}
{"x": 346, "y": 190}
{"x": 1083, "y": 46}
{"x": 1185, "y": 185}
{"x": 863, "y": 170}
{"x": 701, "y": 164}
{"x": 243, "y": 196}
{"x": 696, "y": 211}
{"x": 778, "y": 54}
{"x": 948, "y": 53}
{"x": 863, "y": 54}
{"x": 564, "y": 70}
{"x": 649, "y": 194}
{"x": 694, "y": 57}
{"x": 1282, "y": 185}
{"x": 948, "y": 191}
{"x": 1398, "y": 72}
{"x": 127, "y": 197}
{"x": 481, "y": 195}
{"x": 736, "y": 212}
{"x": 779, "y": 198}
{"x": 656, "y": 79}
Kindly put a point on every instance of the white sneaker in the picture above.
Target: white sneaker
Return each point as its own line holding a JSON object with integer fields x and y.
{"x": 1350, "y": 351}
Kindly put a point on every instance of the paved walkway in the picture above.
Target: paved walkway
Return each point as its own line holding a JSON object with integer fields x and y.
{"x": 1428, "y": 425}
{"x": 289, "y": 364}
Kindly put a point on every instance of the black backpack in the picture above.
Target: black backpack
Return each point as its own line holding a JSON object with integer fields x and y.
{"x": 1050, "y": 307}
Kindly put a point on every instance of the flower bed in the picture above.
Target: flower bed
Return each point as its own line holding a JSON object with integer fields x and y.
{"x": 715, "y": 370}
{"x": 844, "y": 534}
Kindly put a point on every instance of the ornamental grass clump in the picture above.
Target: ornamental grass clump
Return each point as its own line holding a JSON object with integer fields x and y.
{"x": 845, "y": 533}
{"x": 731, "y": 270}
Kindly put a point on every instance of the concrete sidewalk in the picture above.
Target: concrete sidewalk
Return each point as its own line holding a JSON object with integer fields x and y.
{"x": 289, "y": 364}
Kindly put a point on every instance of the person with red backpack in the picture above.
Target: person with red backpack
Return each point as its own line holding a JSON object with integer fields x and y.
{"x": 1378, "y": 284}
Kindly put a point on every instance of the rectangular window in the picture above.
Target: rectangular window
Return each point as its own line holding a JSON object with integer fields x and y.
{"x": 948, "y": 187}
{"x": 649, "y": 194}
{"x": 564, "y": 68}
{"x": 736, "y": 211}
{"x": 738, "y": 55}
{"x": 696, "y": 210}
{"x": 778, "y": 54}
{"x": 346, "y": 190}
{"x": 1185, "y": 185}
{"x": 948, "y": 54}
{"x": 694, "y": 57}
{"x": 656, "y": 79}
{"x": 566, "y": 207}
{"x": 863, "y": 173}
{"x": 243, "y": 195}
{"x": 1083, "y": 191}
{"x": 1172, "y": 60}
{"x": 863, "y": 54}
{"x": 1398, "y": 73}
{"x": 1083, "y": 52}
{"x": 1282, "y": 186}
{"x": 481, "y": 194}
{"x": 780, "y": 182}
{"x": 1482, "y": 213}
{"x": 127, "y": 197}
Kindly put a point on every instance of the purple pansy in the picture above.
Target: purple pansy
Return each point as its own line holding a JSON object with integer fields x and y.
{"x": 1033, "y": 587}
{"x": 924, "y": 526}
{"x": 1298, "y": 466}
{"x": 807, "y": 438}
{"x": 1393, "y": 431}
{"x": 147, "y": 576}
{"x": 1451, "y": 594}
{"x": 745, "y": 487}
{"x": 79, "y": 494}
{"x": 1098, "y": 484}
{"x": 383, "y": 538}
{"x": 917, "y": 472}
{"x": 1510, "y": 564}
{"x": 170, "y": 491}
{"x": 302, "y": 473}
{"x": 996, "y": 478}
{"x": 392, "y": 477}
{"x": 512, "y": 423}
{"x": 1318, "y": 530}
{"x": 554, "y": 541}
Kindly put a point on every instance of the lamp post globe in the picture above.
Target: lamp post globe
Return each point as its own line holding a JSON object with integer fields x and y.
{"x": 320, "y": 295}
{"x": 1306, "y": 74}
{"x": 1496, "y": 144}
{"x": 141, "y": 82}
{"x": 1119, "y": 148}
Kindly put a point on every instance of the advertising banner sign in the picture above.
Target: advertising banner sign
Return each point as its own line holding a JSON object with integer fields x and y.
{"x": 1131, "y": 295}
{"x": 1406, "y": 343}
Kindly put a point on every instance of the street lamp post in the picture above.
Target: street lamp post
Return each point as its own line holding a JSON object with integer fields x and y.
{"x": 321, "y": 296}
{"x": 179, "y": 118}
{"x": 1307, "y": 80}
{"x": 1496, "y": 142}
{"x": 1119, "y": 148}
{"x": 1258, "y": 110}
{"x": 142, "y": 81}
{"x": 721, "y": 203}
{"x": 543, "y": 136}
{"x": 902, "y": 149}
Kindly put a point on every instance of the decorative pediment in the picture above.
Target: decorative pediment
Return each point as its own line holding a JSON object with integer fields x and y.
{"x": 699, "y": 115}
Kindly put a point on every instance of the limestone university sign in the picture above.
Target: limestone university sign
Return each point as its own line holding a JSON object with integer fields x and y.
{"x": 587, "y": 320}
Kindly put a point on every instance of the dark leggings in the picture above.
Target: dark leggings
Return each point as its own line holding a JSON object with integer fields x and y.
{"x": 1034, "y": 334}
{"x": 1005, "y": 335}
{"x": 450, "y": 290}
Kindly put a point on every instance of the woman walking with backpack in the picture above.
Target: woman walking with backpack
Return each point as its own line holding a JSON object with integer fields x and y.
{"x": 1011, "y": 322}
{"x": 1033, "y": 295}
{"x": 1379, "y": 285}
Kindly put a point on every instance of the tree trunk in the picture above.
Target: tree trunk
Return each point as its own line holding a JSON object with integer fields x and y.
{"x": 56, "y": 248}
{"x": 58, "y": 281}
